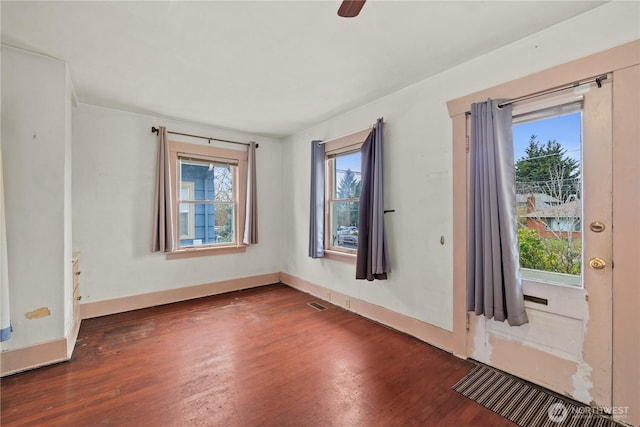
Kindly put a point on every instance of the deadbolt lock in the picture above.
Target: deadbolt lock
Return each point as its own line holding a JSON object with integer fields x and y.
{"x": 597, "y": 263}
{"x": 597, "y": 227}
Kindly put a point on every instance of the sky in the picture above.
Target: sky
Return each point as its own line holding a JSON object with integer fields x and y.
{"x": 349, "y": 161}
{"x": 564, "y": 129}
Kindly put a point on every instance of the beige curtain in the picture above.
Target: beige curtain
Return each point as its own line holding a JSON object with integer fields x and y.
{"x": 251, "y": 208}
{"x": 162, "y": 208}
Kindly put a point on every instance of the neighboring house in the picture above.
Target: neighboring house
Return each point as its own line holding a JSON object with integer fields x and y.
{"x": 563, "y": 220}
{"x": 529, "y": 202}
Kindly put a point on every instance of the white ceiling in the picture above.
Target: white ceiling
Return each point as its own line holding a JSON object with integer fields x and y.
{"x": 266, "y": 67}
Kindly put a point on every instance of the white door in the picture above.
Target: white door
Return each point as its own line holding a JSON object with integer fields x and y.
{"x": 566, "y": 243}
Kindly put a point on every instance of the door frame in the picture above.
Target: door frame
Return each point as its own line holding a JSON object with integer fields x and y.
{"x": 618, "y": 61}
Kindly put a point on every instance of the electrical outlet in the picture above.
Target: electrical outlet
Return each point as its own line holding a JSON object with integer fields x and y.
{"x": 347, "y": 303}
{"x": 329, "y": 296}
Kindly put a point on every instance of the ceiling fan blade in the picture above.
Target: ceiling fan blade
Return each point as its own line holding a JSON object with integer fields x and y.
{"x": 350, "y": 8}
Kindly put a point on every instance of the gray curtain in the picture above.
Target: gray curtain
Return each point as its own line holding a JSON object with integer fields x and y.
{"x": 493, "y": 270}
{"x": 251, "y": 208}
{"x": 372, "y": 261}
{"x": 316, "y": 209}
{"x": 162, "y": 209}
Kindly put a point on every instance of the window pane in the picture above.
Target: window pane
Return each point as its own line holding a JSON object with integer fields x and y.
{"x": 223, "y": 183}
{"x": 213, "y": 223}
{"x": 222, "y": 214}
{"x": 347, "y": 176}
{"x": 344, "y": 224}
{"x": 185, "y": 194}
{"x": 200, "y": 178}
{"x": 184, "y": 222}
{"x": 549, "y": 198}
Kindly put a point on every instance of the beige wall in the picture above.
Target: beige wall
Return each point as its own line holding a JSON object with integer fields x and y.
{"x": 626, "y": 240}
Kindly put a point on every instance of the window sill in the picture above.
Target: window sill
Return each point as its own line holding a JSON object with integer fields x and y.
{"x": 341, "y": 256}
{"x": 196, "y": 252}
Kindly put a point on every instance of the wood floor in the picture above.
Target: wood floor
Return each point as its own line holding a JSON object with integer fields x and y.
{"x": 260, "y": 357}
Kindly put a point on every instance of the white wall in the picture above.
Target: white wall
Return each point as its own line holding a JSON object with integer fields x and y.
{"x": 418, "y": 180}
{"x": 114, "y": 161}
{"x": 35, "y": 151}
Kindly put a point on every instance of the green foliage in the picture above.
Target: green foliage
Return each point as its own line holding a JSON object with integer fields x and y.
{"x": 544, "y": 162}
{"x": 531, "y": 249}
{"x": 555, "y": 255}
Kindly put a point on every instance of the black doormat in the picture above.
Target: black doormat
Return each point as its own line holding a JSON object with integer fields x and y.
{"x": 526, "y": 404}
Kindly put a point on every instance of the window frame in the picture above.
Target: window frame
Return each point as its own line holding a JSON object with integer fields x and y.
{"x": 178, "y": 150}
{"x": 345, "y": 145}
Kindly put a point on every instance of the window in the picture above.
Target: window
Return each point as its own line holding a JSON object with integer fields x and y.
{"x": 208, "y": 187}
{"x": 207, "y": 212}
{"x": 547, "y": 155}
{"x": 342, "y": 193}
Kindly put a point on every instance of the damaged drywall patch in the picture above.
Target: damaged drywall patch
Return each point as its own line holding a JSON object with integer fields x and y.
{"x": 38, "y": 313}
{"x": 482, "y": 348}
{"x": 581, "y": 382}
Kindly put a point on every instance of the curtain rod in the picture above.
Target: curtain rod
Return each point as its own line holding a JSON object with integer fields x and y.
{"x": 349, "y": 134}
{"x": 157, "y": 131}
{"x": 598, "y": 80}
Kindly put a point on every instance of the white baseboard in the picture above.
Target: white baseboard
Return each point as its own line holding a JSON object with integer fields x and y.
{"x": 41, "y": 354}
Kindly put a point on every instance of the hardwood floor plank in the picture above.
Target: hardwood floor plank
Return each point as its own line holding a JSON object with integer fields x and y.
{"x": 260, "y": 357}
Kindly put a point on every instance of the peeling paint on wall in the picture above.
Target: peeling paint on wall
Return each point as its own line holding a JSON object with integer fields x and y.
{"x": 38, "y": 313}
{"x": 581, "y": 382}
{"x": 482, "y": 348}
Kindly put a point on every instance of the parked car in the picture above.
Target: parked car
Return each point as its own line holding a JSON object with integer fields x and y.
{"x": 347, "y": 241}
{"x": 343, "y": 229}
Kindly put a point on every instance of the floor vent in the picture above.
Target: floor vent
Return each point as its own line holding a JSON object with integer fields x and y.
{"x": 317, "y": 306}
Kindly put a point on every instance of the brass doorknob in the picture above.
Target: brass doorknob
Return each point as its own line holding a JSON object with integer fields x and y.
{"x": 597, "y": 263}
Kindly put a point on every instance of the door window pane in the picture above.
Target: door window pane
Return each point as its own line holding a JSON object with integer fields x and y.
{"x": 549, "y": 197}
